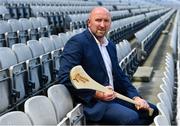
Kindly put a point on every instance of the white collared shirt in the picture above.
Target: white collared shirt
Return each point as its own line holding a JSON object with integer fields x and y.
{"x": 106, "y": 58}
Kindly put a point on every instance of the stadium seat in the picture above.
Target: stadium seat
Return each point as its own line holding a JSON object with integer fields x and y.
{"x": 49, "y": 47}
{"x": 16, "y": 27}
{"x": 45, "y": 60}
{"x": 62, "y": 105}
{"x": 45, "y": 28}
{"x": 57, "y": 41}
{"x": 4, "y": 13}
{"x": 118, "y": 52}
{"x": 27, "y": 26}
{"x": 64, "y": 38}
{"x": 41, "y": 110}
{"x": 18, "y": 73}
{"x": 47, "y": 44}
{"x": 12, "y": 7}
{"x": 164, "y": 111}
{"x": 6, "y": 38}
{"x": 15, "y": 118}
{"x": 42, "y": 31}
{"x": 22, "y": 52}
{"x": 161, "y": 120}
{"x": 5, "y": 82}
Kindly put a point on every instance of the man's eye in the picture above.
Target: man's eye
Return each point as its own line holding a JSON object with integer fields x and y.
{"x": 98, "y": 20}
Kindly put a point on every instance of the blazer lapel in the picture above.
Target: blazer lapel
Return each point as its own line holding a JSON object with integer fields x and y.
{"x": 97, "y": 51}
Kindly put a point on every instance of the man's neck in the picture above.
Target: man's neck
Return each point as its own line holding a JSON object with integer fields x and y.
{"x": 101, "y": 40}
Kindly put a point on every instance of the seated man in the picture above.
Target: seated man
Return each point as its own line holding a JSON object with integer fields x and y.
{"x": 98, "y": 57}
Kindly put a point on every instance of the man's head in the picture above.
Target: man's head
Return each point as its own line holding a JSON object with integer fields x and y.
{"x": 99, "y": 21}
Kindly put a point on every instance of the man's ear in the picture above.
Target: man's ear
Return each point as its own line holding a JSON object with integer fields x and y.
{"x": 87, "y": 22}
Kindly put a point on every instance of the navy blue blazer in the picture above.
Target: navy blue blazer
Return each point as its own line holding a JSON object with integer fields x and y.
{"x": 82, "y": 49}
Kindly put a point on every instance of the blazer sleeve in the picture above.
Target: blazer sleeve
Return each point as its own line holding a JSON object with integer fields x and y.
{"x": 72, "y": 55}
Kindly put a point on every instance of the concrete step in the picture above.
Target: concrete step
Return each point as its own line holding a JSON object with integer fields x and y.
{"x": 143, "y": 74}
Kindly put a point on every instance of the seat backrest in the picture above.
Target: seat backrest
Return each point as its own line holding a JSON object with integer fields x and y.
{"x": 35, "y": 23}
{"x": 61, "y": 100}
{"x": 164, "y": 98}
{"x": 43, "y": 21}
{"x": 15, "y": 25}
{"x": 5, "y": 82}
{"x": 4, "y": 27}
{"x": 57, "y": 41}
{"x": 5, "y": 100}
{"x": 47, "y": 44}
{"x": 4, "y": 61}
{"x": 36, "y": 48}
{"x": 41, "y": 110}
{"x": 161, "y": 120}
{"x": 22, "y": 52}
{"x": 44, "y": 27}
{"x": 118, "y": 52}
{"x": 26, "y": 24}
{"x": 164, "y": 111}
{"x": 4, "y": 12}
{"x": 15, "y": 118}
{"x": 64, "y": 38}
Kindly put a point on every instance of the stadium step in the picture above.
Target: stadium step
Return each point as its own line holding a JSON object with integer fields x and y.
{"x": 143, "y": 74}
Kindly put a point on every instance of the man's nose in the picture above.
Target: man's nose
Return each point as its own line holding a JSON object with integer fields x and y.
{"x": 102, "y": 24}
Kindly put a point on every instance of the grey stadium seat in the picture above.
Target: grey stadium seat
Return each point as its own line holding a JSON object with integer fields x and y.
{"x": 61, "y": 100}
{"x": 16, "y": 26}
{"x": 45, "y": 60}
{"x": 5, "y": 29}
{"x": 15, "y": 118}
{"x": 41, "y": 110}
{"x": 27, "y": 26}
{"x": 64, "y": 106}
{"x": 5, "y": 83}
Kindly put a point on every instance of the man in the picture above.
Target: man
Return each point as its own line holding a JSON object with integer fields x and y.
{"x": 98, "y": 57}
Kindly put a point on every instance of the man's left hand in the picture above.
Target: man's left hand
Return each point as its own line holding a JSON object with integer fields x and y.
{"x": 141, "y": 103}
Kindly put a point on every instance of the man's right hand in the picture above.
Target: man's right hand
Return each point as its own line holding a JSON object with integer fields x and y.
{"x": 107, "y": 96}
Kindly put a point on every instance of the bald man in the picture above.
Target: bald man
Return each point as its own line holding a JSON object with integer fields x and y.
{"x": 98, "y": 57}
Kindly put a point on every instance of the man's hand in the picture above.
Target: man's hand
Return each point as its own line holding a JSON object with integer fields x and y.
{"x": 142, "y": 104}
{"x": 107, "y": 96}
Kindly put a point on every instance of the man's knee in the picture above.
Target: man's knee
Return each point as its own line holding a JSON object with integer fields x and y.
{"x": 121, "y": 118}
{"x": 130, "y": 119}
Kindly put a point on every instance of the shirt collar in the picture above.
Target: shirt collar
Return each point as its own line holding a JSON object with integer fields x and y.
{"x": 97, "y": 41}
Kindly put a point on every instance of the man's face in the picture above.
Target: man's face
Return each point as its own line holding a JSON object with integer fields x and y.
{"x": 99, "y": 22}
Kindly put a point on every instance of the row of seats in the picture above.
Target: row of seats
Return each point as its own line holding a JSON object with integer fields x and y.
{"x": 52, "y": 2}
{"x": 169, "y": 97}
{"x": 29, "y": 69}
{"x": 10, "y": 10}
{"x": 19, "y": 31}
{"x": 177, "y": 55}
{"x": 75, "y": 21}
{"x": 125, "y": 28}
{"x": 148, "y": 36}
{"x": 127, "y": 58}
{"x": 56, "y": 109}
{"x": 167, "y": 104}
{"x": 178, "y": 93}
